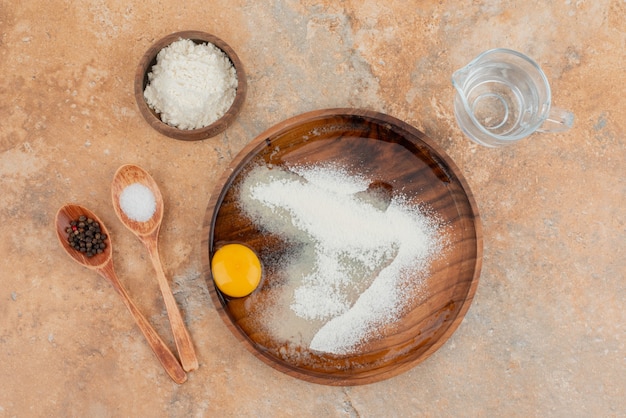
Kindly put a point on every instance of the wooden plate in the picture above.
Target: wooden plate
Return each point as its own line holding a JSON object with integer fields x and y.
{"x": 392, "y": 152}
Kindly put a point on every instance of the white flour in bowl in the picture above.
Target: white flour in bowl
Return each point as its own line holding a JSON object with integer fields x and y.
{"x": 191, "y": 85}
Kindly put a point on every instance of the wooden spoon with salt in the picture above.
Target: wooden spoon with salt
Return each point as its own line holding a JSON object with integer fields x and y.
{"x": 148, "y": 233}
{"x": 103, "y": 264}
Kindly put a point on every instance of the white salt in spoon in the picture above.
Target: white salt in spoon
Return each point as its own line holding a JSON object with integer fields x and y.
{"x": 148, "y": 232}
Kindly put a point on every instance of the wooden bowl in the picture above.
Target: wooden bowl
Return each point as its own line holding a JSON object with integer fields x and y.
{"x": 396, "y": 154}
{"x": 141, "y": 81}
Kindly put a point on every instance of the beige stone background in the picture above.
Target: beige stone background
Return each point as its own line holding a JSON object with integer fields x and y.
{"x": 546, "y": 334}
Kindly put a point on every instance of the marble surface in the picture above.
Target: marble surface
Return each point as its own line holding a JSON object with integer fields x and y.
{"x": 546, "y": 334}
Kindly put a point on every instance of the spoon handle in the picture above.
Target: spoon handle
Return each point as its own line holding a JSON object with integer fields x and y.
{"x": 184, "y": 345}
{"x": 163, "y": 353}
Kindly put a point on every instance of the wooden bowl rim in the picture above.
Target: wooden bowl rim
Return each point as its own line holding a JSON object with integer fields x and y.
{"x": 153, "y": 119}
{"x": 224, "y": 183}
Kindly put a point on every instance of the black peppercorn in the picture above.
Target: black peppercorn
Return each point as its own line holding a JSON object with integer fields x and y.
{"x": 84, "y": 235}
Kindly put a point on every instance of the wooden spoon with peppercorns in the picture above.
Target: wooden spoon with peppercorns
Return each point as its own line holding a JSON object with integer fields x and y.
{"x": 148, "y": 232}
{"x": 103, "y": 264}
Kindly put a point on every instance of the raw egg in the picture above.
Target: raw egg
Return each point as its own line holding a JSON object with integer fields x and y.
{"x": 236, "y": 270}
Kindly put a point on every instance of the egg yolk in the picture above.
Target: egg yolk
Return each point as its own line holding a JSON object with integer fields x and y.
{"x": 236, "y": 270}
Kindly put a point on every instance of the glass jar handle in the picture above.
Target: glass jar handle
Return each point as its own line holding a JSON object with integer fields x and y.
{"x": 558, "y": 120}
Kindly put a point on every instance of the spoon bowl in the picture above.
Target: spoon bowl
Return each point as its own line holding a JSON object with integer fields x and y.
{"x": 69, "y": 213}
{"x": 103, "y": 264}
{"x": 124, "y": 177}
{"x": 148, "y": 233}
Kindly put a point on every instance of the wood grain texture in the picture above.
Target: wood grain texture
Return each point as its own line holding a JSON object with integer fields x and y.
{"x": 394, "y": 154}
{"x": 141, "y": 81}
{"x": 148, "y": 234}
{"x": 103, "y": 264}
